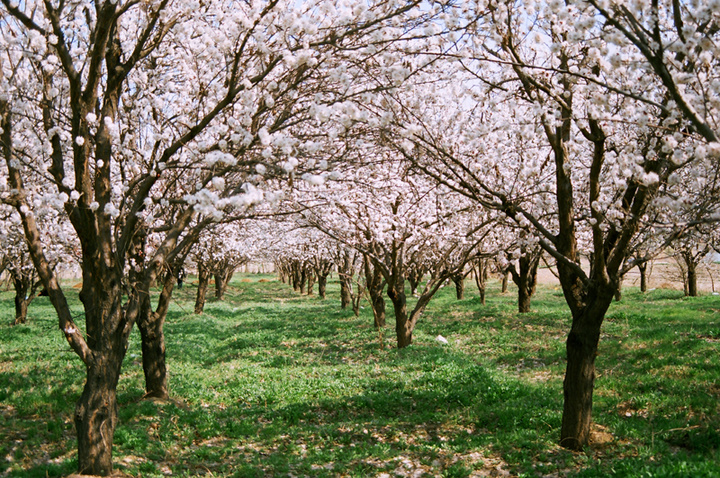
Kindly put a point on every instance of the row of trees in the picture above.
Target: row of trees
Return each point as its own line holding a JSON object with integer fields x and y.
{"x": 418, "y": 136}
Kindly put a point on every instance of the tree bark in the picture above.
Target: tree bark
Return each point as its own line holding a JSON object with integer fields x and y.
{"x": 403, "y": 327}
{"x": 96, "y": 415}
{"x": 526, "y": 278}
{"x": 459, "y": 281}
{"x": 642, "y": 267}
{"x": 203, "y": 282}
{"x": 375, "y": 285}
{"x": 322, "y": 285}
{"x": 303, "y": 280}
{"x": 480, "y": 272}
{"x": 151, "y": 324}
{"x": 345, "y": 274}
{"x": 21, "y": 299}
{"x": 579, "y": 382}
{"x": 310, "y": 281}
{"x": 415, "y": 276}
{"x": 692, "y": 287}
{"x": 222, "y": 279}
{"x": 504, "y": 283}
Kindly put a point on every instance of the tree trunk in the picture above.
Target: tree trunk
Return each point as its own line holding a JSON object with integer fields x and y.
{"x": 378, "y": 307}
{"x": 96, "y": 415}
{"x": 322, "y": 285}
{"x": 504, "y": 286}
{"x": 345, "y": 274}
{"x": 526, "y": 279}
{"x": 345, "y": 292}
{"x": 310, "y": 281}
{"x": 480, "y": 272}
{"x": 295, "y": 276}
{"x": 692, "y": 287}
{"x": 581, "y": 347}
{"x": 375, "y": 285}
{"x": 22, "y": 299}
{"x": 414, "y": 278}
{"x": 25, "y": 292}
{"x": 21, "y": 309}
{"x": 643, "y": 276}
{"x": 403, "y": 326}
{"x": 459, "y": 280}
{"x": 152, "y": 336}
{"x": 303, "y": 280}
{"x": 108, "y": 324}
{"x": 222, "y": 280}
{"x": 203, "y": 282}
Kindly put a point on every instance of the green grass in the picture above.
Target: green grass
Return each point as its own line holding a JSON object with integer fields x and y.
{"x": 268, "y": 383}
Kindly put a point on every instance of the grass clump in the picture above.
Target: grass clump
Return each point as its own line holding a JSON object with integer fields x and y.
{"x": 269, "y": 383}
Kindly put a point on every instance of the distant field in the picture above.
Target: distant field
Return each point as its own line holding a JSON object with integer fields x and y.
{"x": 269, "y": 383}
{"x": 664, "y": 273}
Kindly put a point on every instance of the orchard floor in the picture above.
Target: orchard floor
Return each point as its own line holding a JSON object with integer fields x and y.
{"x": 271, "y": 383}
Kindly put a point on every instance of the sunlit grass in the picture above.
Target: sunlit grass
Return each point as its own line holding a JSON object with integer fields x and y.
{"x": 269, "y": 383}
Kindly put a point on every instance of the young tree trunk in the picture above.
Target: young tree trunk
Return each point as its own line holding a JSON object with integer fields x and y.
{"x": 203, "y": 282}
{"x": 642, "y": 267}
{"x": 618, "y": 292}
{"x": 151, "y": 323}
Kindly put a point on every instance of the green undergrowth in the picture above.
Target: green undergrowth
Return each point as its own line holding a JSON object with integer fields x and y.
{"x": 271, "y": 383}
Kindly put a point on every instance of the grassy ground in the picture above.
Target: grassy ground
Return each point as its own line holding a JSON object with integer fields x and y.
{"x": 268, "y": 383}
